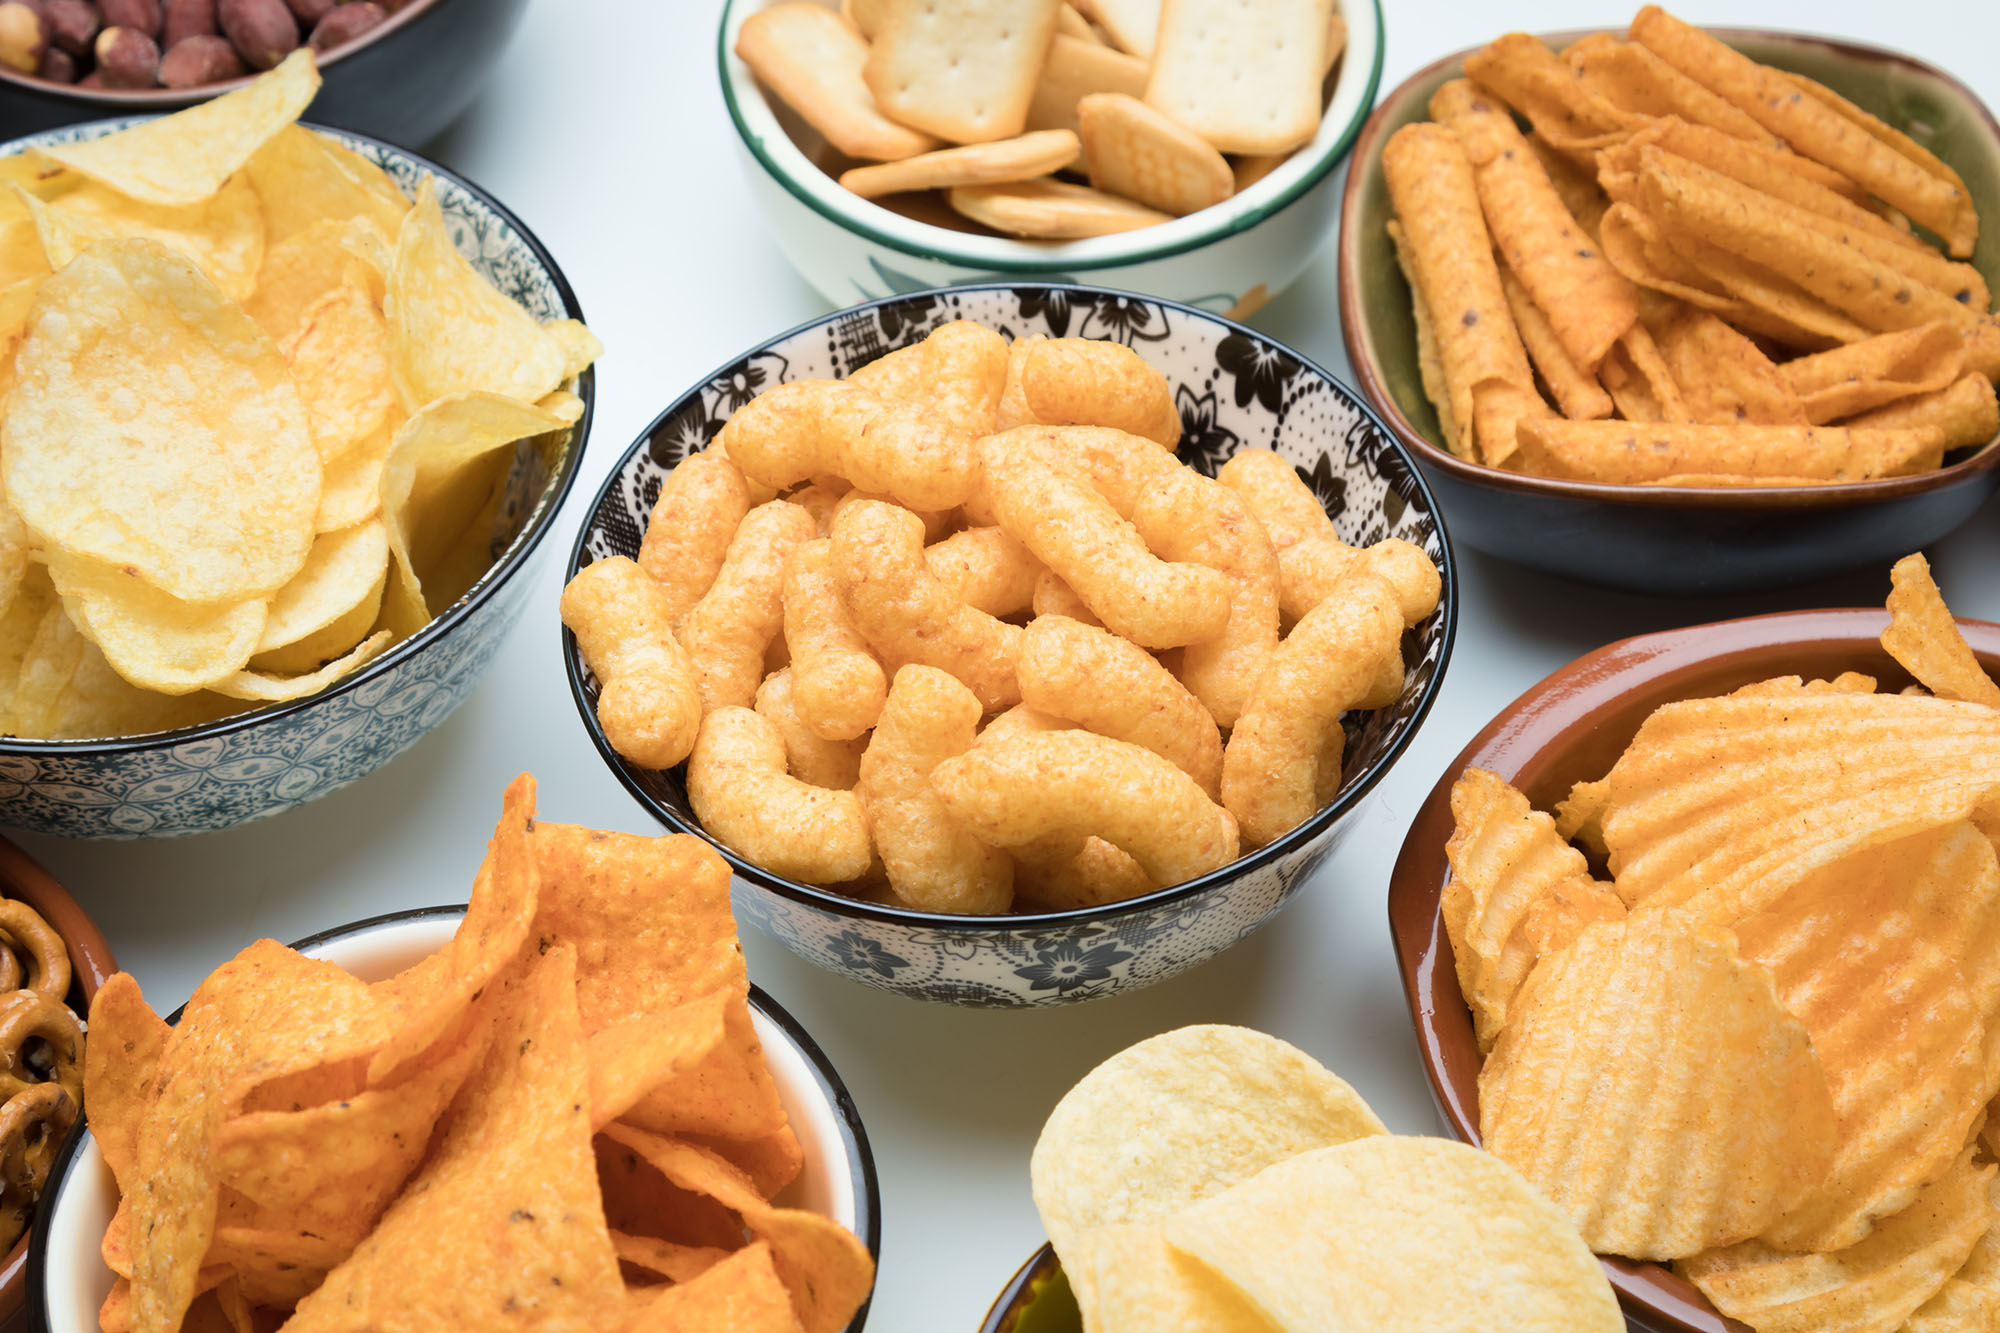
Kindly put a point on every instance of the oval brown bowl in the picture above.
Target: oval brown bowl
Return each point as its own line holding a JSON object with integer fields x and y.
{"x": 91, "y": 964}
{"x": 1670, "y": 539}
{"x": 1572, "y": 727}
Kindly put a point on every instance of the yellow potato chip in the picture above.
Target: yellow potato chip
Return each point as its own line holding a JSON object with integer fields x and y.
{"x": 339, "y": 355}
{"x": 1398, "y": 1233}
{"x": 1969, "y": 1301}
{"x": 344, "y": 570}
{"x": 1870, "y": 1287}
{"x": 1137, "y": 1281}
{"x": 184, "y": 158}
{"x": 351, "y": 486}
{"x": 223, "y": 234}
{"x": 267, "y": 687}
{"x": 306, "y": 179}
{"x": 97, "y": 701}
{"x": 1180, "y": 1117}
{"x": 48, "y": 663}
{"x": 300, "y": 270}
{"x": 1570, "y": 908}
{"x": 1923, "y": 636}
{"x": 155, "y": 641}
{"x": 1652, "y": 1086}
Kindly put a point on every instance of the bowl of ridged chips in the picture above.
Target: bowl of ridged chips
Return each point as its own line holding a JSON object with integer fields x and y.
{"x": 275, "y": 453}
{"x": 1682, "y": 311}
{"x": 1702, "y": 935}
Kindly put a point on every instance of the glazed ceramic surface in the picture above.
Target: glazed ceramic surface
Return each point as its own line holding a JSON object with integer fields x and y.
{"x": 69, "y": 1279}
{"x": 1569, "y": 728}
{"x": 404, "y": 81}
{"x": 1229, "y": 259}
{"x": 1235, "y": 389}
{"x": 258, "y": 763}
{"x": 1664, "y": 539}
{"x": 1037, "y": 1299}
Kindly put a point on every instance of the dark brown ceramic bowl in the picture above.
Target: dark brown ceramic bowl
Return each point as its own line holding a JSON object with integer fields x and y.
{"x": 1659, "y": 539}
{"x": 403, "y": 81}
{"x": 1570, "y": 728}
{"x": 91, "y": 964}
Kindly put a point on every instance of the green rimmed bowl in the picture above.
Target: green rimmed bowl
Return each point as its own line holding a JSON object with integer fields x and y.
{"x": 1037, "y": 1299}
{"x": 1228, "y": 259}
{"x": 1672, "y": 540}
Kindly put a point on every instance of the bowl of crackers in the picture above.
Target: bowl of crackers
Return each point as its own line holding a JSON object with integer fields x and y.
{"x": 1742, "y": 858}
{"x": 1681, "y": 311}
{"x": 648, "y": 1134}
{"x": 933, "y": 616}
{"x": 1184, "y": 148}
{"x": 386, "y": 428}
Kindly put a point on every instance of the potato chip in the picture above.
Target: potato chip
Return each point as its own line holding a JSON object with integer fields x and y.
{"x": 48, "y": 664}
{"x": 1137, "y": 1281}
{"x": 1969, "y": 1301}
{"x": 268, "y": 687}
{"x": 1870, "y": 1287}
{"x": 345, "y": 570}
{"x": 301, "y": 270}
{"x": 138, "y": 379}
{"x": 339, "y": 355}
{"x": 1399, "y": 1233}
{"x": 184, "y": 158}
{"x": 1923, "y": 636}
{"x": 743, "y": 1293}
{"x": 1652, "y": 1086}
{"x": 223, "y": 234}
{"x": 351, "y": 486}
{"x": 155, "y": 641}
{"x": 1180, "y": 1117}
{"x": 307, "y": 180}
{"x": 1570, "y": 908}
{"x": 97, "y": 701}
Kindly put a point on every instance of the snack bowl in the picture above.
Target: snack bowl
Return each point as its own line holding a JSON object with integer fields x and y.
{"x": 257, "y": 763}
{"x": 404, "y": 80}
{"x": 1681, "y": 541}
{"x": 68, "y": 1279}
{"x": 1037, "y": 1299}
{"x": 1230, "y": 258}
{"x": 1572, "y": 727}
{"x": 1235, "y": 388}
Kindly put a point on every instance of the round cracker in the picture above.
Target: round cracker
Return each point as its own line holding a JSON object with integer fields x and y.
{"x": 1051, "y": 210}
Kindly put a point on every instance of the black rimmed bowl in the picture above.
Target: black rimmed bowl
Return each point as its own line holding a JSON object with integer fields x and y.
{"x": 67, "y": 1277}
{"x": 1037, "y": 1299}
{"x": 1675, "y": 540}
{"x": 1235, "y": 389}
{"x": 249, "y": 765}
{"x": 404, "y": 80}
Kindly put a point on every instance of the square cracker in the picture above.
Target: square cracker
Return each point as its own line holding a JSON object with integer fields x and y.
{"x": 1243, "y": 74}
{"x": 812, "y": 60}
{"x": 1075, "y": 70}
{"x": 964, "y": 70}
{"x": 1131, "y": 23}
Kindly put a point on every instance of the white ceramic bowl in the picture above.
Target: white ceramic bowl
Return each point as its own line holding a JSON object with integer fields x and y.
{"x": 1228, "y": 259}
{"x": 67, "y": 1277}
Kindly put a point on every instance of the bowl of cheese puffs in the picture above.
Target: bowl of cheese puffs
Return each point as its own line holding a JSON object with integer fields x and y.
{"x": 934, "y": 614}
{"x": 893, "y": 145}
{"x": 1682, "y": 311}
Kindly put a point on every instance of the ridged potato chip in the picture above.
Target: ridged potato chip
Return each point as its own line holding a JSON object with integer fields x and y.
{"x": 1652, "y": 1086}
{"x": 1969, "y": 1301}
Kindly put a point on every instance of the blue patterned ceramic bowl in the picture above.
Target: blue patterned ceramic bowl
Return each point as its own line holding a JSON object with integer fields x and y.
{"x": 1236, "y": 389}
{"x": 244, "y": 767}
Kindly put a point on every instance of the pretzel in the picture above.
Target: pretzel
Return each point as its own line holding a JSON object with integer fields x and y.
{"x": 41, "y": 949}
{"x": 28, "y": 1015}
{"x": 33, "y": 1125}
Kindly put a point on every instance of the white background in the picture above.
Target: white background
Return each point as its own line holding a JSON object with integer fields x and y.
{"x": 605, "y": 132}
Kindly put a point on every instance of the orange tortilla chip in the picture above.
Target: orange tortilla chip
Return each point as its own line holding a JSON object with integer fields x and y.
{"x": 1724, "y": 377}
{"x": 640, "y": 1202}
{"x": 742, "y": 1294}
{"x": 629, "y": 1060}
{"x": 772, "y": 1161}
{"x": 676, "y": 1263}
{"x": 127, "y": 1037}
{"x": 1640, "y": 452}
{"x": 1924, "y": 637}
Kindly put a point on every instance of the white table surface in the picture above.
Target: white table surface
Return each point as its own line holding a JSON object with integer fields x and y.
{"x": 605, "y": 132}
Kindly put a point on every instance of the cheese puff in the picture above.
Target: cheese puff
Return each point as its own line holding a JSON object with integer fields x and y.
{"x": 906, "y": 614}
{"x": 958, "y": 373}
{"x": 759, "y": 492}
{"x": 933, "y": 861}
{"x": 738, "y": 786}
{"x": 1332, "y": 659}
{"x": 986, "y": 569}
{"x": 795, "y": 431}
{"x": 1053, "y": 597}
{"x": 819, "y": 499}
{"x": 1202, "y": 522}
{"x": 837, "y": 685}
{"x": 935, "y": 521}
{"x": 1118, "y": 689}
{"x": 1029, "y": 786}
{"x": 808, "y": 757}
{"x": 647, "y": 702}
{"x": 1013, "y": 396}
{"x": 1118, "y": 465}
{"x": 701, "y": 502}
{"x": 1075, "y": 532}
{"x": 729, "y": 629}
{"x": 1060, "y": 871}
{"x": 1083, "y": 381}
{"x": 896, "y": 376}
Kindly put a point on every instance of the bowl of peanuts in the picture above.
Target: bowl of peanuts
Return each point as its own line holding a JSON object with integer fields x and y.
{"x": 933, "y": 616}
{"x": 400, "y": 70}
{"x": 1185, "y": 148}
{"x": 52, "y": 960}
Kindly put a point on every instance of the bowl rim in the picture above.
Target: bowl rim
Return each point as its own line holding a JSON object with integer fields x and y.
{"x": 1544, "y": 720}
{"x": 846, "y": 1116}
{"x": 1042, "y": 1263}
{"x": 1293, "y": 839}
{"x": 1368, "y": 368}
{"x": 1003, "y": 256}
{"x": 540, "y": 519}
{"x": 130, "y": 100}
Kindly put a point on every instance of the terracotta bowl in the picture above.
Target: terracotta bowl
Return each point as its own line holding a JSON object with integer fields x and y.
{"x": 1037, "y": 1299}
{"x": 91, "y": 964}
{"x": 403, "y": 81}
{"x": 1570, "y": 728}
{"x": 1682, "y": 541}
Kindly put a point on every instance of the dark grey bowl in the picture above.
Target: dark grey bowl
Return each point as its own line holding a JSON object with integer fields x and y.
{"x": 199, "y": 779}
{"x": 1235, "y": 388}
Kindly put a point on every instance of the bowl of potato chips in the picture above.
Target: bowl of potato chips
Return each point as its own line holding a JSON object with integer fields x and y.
{"x": 276, "y": 455}
{"x": 931, "y": 614}
{"x": 1700, "y": 935}
{"x": 643, "y": 1141}
{"x": 1108, "y": 141}
{"x": 1732, "y": 339}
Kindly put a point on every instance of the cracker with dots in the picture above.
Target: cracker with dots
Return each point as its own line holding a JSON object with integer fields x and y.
{"x": 964, "y": 70}
{"x": 1135, "y": 151}
{"x": 1075, "y": 70}
{"x": 1243, "y": 74}
{"x": 812, "y": 60}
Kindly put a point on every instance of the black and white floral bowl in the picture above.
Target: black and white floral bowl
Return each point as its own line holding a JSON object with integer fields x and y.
{"x": 200, "y": 779}
{"x": 1236, "y": 389}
